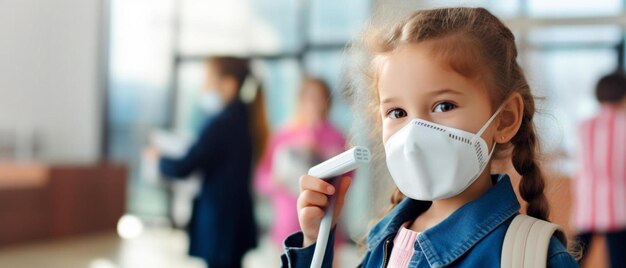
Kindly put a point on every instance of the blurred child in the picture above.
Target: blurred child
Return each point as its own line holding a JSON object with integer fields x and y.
{"x": 600, "y": 188}
{"x": 304, "y": 142}
{"x": 222, "y": 226}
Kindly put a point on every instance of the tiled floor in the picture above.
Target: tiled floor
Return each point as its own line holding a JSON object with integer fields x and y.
{"x": 154, "y": 248}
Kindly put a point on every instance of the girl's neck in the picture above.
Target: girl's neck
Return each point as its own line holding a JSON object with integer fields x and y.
{"x": 303, "y": 123}
{"x": 441, "y": 209}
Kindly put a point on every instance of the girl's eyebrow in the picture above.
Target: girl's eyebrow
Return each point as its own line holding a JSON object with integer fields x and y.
{"x": 445, "y": 91}
{"x": 387, "y": 100}
{"x": 432, "y": 93}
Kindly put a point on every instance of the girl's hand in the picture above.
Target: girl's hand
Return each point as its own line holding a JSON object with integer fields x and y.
{"x": 313, "y": 200}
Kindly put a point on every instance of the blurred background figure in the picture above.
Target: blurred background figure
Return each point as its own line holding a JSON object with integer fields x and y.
{"x": 305, "y": 141}
{"x": 222, "y": 226}
{"x": 600, "y": 188}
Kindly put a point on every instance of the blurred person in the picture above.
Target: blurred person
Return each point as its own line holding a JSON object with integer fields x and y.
{"x": 306, "y": 140}
{"x": 600, "y": 187}
{"x": 222, "y": 226}
{"x": 445, "y": 92}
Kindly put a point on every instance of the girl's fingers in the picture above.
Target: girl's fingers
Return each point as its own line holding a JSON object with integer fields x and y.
{"x": 310, "y": 218}
{"x": 312, "y": 198}
{"x": 315, "y": 184}
{"x": 312, "y": 214}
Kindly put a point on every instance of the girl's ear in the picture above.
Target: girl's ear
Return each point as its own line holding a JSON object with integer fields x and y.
{"x": 510, "y": 118}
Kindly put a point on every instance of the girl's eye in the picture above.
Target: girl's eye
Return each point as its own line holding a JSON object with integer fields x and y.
{"x": 444, "y": 107}
{"x": 396, "y": 113}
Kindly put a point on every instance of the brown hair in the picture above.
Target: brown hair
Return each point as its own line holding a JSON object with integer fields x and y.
{"x": 611, "y": 88}
{"x": 310, "y": 80}
{"x": 477, "y": 45}
{"x": 305, "y": 85}
{"x": 239, "y": 70}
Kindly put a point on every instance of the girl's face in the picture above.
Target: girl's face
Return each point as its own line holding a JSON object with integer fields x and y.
{"x": 226, "y": 86}
{"x": 314, "y": 102}
{"x": 212, "y": 80}
{"x": 414, "y": 84}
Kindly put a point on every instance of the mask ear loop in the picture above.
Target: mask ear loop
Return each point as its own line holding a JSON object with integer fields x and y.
{"x": 485, "y": 126}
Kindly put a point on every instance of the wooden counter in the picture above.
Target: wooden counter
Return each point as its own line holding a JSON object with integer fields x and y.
{"x": 43, "y": 202}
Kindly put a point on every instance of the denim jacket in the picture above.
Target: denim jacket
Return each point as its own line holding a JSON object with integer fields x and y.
{"x": 472, "y": 236}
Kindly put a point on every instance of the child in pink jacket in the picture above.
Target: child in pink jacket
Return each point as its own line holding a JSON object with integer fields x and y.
{"x": 306, "y": 141}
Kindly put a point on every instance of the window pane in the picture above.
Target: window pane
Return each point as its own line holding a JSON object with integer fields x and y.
{"x": 139, "y": 67}
{"x": 329, "y": 21}
{"x": 281, "y": 80}
{"x": 590, "y": 34}
{"x": 501, "y": 8}
{"x": 574, "y": 8}
{"x": 276, "y": 21}
{"x": 238, "y": 26}
{"x": 567, "y": 79}
{"x": 188, "y": 117}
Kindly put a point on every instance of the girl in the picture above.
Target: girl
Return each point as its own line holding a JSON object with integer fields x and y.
{"x": 307, "y": 139}
{"x": 600, "y": 186}
{"x": 222, "y": 226}
{"x": 448, "y": 93}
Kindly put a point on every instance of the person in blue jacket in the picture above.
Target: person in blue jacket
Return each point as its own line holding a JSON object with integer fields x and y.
{"x": 222, "y": 226}
{"x": 446, "y": 94}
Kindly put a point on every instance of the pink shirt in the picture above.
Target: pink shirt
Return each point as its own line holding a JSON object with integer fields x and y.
{"x": 403, "y": 247}
{"x": 326, "y": 140}
{"x": 600, "y": 203}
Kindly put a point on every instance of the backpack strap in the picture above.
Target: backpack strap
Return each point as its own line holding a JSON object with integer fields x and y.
{"x": 527, "y": 240}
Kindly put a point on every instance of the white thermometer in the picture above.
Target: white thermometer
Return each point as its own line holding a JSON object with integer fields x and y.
{"x": 329, "y": 169}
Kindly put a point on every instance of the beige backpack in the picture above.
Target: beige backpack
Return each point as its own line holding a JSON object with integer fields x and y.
{"x": 526, "y": 242}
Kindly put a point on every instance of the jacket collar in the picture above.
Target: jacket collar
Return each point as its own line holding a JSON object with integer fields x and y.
{"x": 447, "y": 241}
{"x": 407, "y": 209}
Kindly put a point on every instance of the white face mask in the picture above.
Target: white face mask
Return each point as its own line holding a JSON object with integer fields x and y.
{"x": 428, "y": 161}
{"x": 211, "y": 102}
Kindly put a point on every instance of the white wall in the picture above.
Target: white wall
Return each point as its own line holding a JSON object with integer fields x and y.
{"x": 49, "y": 75}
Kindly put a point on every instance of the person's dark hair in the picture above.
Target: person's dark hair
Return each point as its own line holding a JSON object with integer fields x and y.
{"x": 236, "y": 68}
{"x": 611, "y": 88}
{"x": 239, "y": 70}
